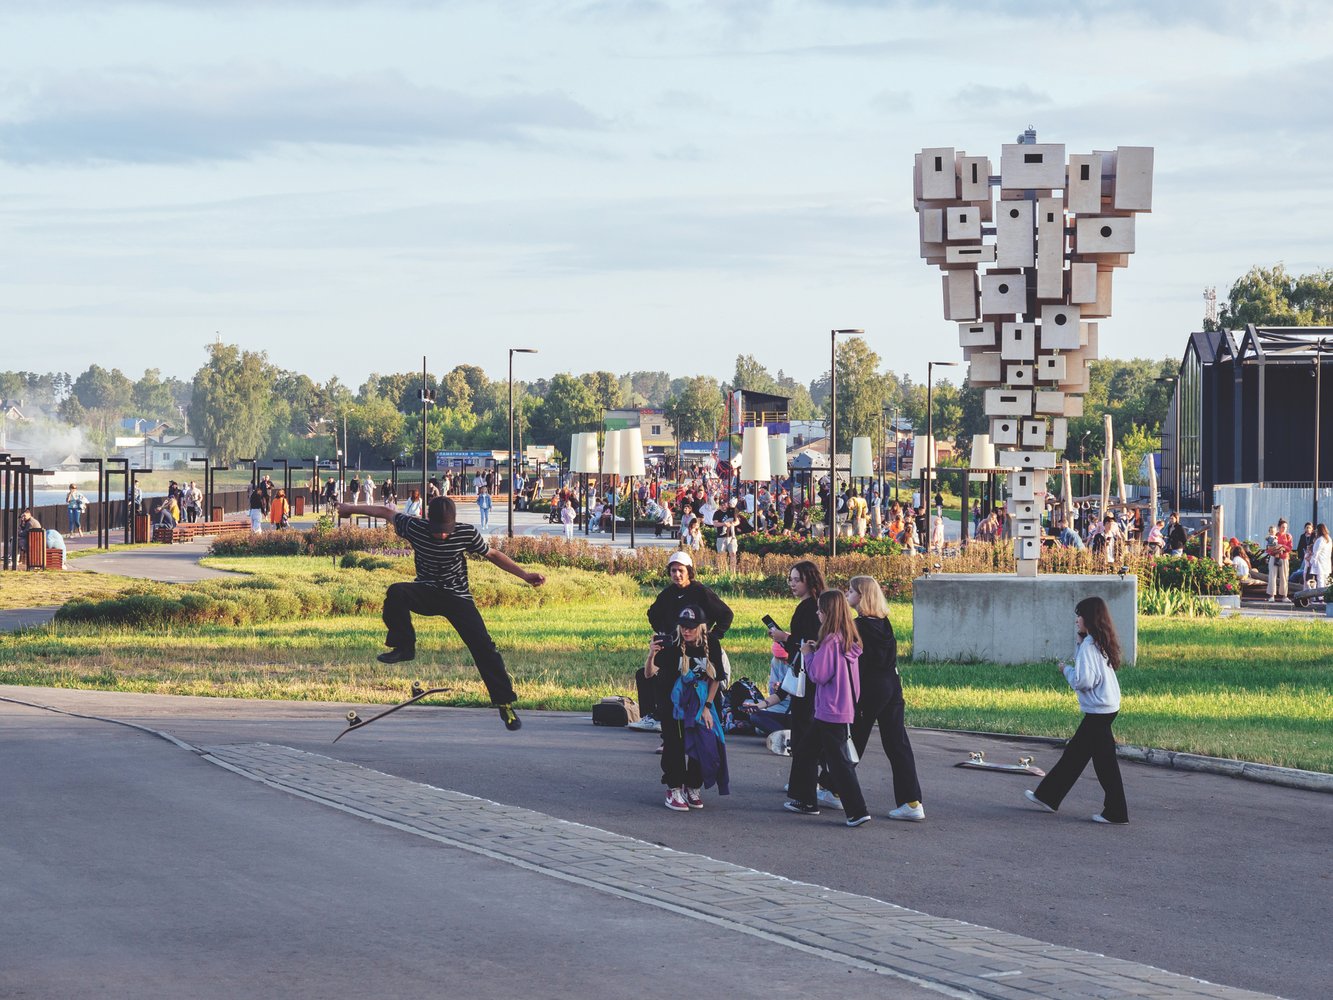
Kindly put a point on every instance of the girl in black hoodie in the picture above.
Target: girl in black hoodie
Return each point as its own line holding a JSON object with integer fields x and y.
{"x": 882, "y": 695}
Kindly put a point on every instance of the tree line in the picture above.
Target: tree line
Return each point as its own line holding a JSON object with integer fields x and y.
{"x": 240, "y": 404}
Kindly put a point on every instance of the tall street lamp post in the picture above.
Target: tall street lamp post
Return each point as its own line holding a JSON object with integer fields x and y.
{"x": 833, "y": 437}
{"x": 931, "y": 451}
{"x": 510, "y": 505}
{"x": 1318, "y": 378}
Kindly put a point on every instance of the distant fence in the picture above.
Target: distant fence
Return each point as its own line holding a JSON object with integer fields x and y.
{"x": 1249, "y": 508}
{"x": 113, "y": 510}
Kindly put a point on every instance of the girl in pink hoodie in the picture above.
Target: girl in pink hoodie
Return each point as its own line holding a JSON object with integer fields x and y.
{"x": 832, "y": 666}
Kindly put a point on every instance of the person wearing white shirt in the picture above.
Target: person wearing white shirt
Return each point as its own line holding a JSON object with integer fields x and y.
{"x": 1092, "y": 675}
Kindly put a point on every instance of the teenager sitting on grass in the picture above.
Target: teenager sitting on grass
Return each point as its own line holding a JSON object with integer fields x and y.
{"x": 440, "y": 546}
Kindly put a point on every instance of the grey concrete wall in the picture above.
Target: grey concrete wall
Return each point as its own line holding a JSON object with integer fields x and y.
{"x": 967, "y": 617}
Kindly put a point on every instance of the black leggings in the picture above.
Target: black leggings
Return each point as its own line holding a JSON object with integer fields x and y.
{"x": 826, "y": 742}
{"x": 1091, "y": 741}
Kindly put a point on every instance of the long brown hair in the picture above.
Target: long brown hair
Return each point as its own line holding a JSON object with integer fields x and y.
{"x": 838, "y": 619}
{"x": 811, "y": 576}
{"x": 1097, "y": 623}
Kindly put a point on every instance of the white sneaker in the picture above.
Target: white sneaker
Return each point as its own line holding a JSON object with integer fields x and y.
{"x": 1031, "y": 796}
{"x": 646, "y": 725}
{"x": 827, "y": 798}
{"x": 908, "y": 812}
{"x": 693, "y": 799}
{"x": 1099, "y": 818}
{"x": 675, "y": 800}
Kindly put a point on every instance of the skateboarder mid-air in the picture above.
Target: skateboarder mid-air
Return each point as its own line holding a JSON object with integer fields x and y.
{"x": 440, "y": 545}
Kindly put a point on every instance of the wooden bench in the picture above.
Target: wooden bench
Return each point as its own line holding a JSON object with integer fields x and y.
{"x": 186, "y": 532}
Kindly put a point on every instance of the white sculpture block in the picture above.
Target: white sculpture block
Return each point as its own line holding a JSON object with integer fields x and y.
{"x": 970, "y": 253}
{"x": 1018, "y": 341}
{"x": 939, "y": 173}
{"x": 1083, "y": 190}
{"x": 1014, "y": 234}
{"x": 1019, "y": 374}
{"x": 1026, "y": 460}
{"x": 976, "y": 335}
{"x": 1050, "y": 368}
{"x": 1133, "y": 179}
{"x": 962, "y": 222}
{"x": 1003, "y": 294}
{"x": 1022, "y": 486}
{"x": 1073, "y": 406}
{"x": 1004, "y": 430}
{"x": 1104, "y": 234}
{"x": 1060, "y": 329}
{"x": 1009, "y": 402}
{"x": 1027, "y": 549}
{"x": 1028, "y": 166}
{"x": 1083, "y": 283}
{"x": 1050, "y": 402}
{"x": 974, "y": 178}
{"x": 960, "y": 294}
{"x": 1025, "y": 528}
{"x": 1050, "y": 248}
{"x": 1059, "y": 433}
{"x": 932, "y": 225}
{"x": 1034, "y": 433}
{"x": 1026, "y": 510}
{"x": 984, "y": 369}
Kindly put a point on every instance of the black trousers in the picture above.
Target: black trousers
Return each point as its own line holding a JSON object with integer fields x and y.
{"x": 677, "y": 770}
{"x": 1091, "y": 741}
{"x": 406, "y": 599}
{"x": 826, "y": 741}
{"x": 646, "y": 689}
{"x": 802, "y": 719}
{"x": 883, "y": 703}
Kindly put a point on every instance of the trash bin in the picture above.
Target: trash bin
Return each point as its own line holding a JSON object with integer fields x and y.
{"x": 142, "y": 529}
{"x": 217, "y": 514}
{"x": 298, "y": 507}
{"x": 36, "y": 546}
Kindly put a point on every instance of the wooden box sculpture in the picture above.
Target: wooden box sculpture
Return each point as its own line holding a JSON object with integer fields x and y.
{"x": 1023, "y": 276}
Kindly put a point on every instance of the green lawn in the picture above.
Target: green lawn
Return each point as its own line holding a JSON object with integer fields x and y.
{"x": 1236, "y": 687}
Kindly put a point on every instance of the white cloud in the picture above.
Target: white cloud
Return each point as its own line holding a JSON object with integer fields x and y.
{"x": 241, "y": 111}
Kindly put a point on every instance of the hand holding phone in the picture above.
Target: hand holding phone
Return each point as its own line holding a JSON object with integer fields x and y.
{"x": 769, "y": 623}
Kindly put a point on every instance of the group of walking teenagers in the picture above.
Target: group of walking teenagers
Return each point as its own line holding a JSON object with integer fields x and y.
{"x": 840, "y": 678}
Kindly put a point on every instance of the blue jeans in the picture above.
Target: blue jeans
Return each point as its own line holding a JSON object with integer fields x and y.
{"x": 485, "y": 516}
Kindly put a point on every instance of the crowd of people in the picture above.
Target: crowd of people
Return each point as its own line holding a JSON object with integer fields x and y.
{"x": 833, "y": 679}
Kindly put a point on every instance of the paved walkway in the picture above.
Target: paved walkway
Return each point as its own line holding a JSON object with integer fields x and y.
{"x": 948, "y": 956}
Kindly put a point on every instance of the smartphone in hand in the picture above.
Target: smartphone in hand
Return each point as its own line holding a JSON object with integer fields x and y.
{"x": 769, "y": 623}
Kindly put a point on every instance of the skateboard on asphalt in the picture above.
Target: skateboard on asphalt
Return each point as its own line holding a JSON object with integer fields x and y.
{"x": 779, "y": 742}
{"x": 355, "y": 721}
{"x": 978, "y": 760}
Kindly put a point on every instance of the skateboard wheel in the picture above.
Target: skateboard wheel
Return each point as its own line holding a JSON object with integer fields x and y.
{"x": 977, "y": 757}
{"x": 417, "y": 689}
{"x": 1025, "y": 761}
{"x": 352, "y": 718}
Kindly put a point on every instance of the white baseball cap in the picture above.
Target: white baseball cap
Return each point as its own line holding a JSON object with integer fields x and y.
{"x": 681, "y": 557}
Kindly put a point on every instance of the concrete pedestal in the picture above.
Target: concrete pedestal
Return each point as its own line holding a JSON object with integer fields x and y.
{"x": 981, "y": 617}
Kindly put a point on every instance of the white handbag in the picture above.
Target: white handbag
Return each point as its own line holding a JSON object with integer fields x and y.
{"x": 793, "y": 682}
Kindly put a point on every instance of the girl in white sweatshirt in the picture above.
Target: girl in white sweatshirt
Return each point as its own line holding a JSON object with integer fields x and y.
{"x": 1092, "y": 676}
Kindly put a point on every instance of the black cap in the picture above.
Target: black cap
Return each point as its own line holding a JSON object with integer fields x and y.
{"x": 690, "y": 616}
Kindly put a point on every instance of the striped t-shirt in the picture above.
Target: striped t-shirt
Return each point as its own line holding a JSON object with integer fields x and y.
{"x": 441, "y": 562}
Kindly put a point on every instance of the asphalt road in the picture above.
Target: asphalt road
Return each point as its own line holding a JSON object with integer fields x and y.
{"x": 135, "y": 869}
{"x": 1216, "y": 878}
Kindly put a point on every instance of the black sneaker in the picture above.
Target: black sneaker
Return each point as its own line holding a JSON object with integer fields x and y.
{"x": 400, "y": 655}
{"x": 509, "y": 717}
{"x": 804, "y": 808}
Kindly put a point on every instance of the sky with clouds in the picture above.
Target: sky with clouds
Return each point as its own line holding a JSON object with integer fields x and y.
{"x": 621, "y": 184}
